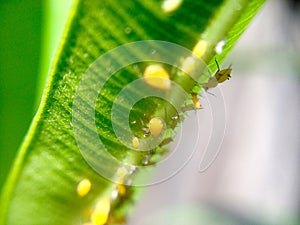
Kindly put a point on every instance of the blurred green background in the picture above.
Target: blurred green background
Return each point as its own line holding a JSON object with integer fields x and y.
{"x": 20, "y": 50}
{"x": 29, "y": 34}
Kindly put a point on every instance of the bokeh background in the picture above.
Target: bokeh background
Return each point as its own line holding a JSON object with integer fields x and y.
{"x": 29, "y": 33}
{"x": 254, "y": 180}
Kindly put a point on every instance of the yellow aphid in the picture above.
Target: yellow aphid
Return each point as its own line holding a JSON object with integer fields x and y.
{"x": 121, "y": 189}
{"x": 135, "y": 142}
{"x": 156, "y": 76}
{"x": 196, "y": 101}
{"x": 222, "y": 75}
{"x": 84, "y": 187}
{"x": 101, "y": 212}
{"x": 169, "y": 6}
{"x": 155, "y": 126}
{"x": 200, "y": 48}
{"x": 219, "y": 77}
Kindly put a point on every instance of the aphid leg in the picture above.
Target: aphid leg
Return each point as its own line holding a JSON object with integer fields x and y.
{"x": 210, "y": 93}
{"x": 229, "y": 76}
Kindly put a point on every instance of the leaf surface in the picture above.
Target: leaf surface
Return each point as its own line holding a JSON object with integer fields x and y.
{"x": 41, "y": 188}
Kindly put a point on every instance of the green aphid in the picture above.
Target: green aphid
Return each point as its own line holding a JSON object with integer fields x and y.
{"x": 222, "y": 75}
{"x": 219, "y": 77}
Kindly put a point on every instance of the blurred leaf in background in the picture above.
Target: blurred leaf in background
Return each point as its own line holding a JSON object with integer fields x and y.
{"x": 30, "y": 31}
{"x": 20, "y": 47}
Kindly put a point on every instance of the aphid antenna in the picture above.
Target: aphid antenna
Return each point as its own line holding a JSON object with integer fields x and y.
{"x": 211, "y": 93}
{"x": 217, "y": 65}
{"x": 196, "y": 110}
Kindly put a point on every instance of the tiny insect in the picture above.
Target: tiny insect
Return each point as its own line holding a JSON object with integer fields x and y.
{"x": 196, "y": 101}
{"x": 155, "y": 126}
{"x": 219, "y": 77}
{"x": 101, "y": 212}
{"x": 156, "y": 76}
{"x": 84, "y": 187}
{"x": 121, "y": 189}
{"x": 166, "y": 141}
{"x": 222, "y": 75}
{"x": 135, "y": 142}
{"x": 169, "y": 6}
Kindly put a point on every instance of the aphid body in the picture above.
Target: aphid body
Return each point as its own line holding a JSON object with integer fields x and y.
{"x": 222, "y": 75}
{"x": 101, "y": 212}
{"x": 135, "y": 142}
{"x": 219, "y": 77}
{"x": 156, "y": 76}
{"x": 169, "y": 6}
{"x": 196, "y": 101}
{"x": 155, "y": 126}
{"x": 84, "y": 187}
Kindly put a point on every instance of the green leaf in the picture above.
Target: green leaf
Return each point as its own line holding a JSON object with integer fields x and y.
{"x": 41, "y": 188}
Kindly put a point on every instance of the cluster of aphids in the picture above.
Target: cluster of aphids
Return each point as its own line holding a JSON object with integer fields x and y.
{"x": 157, "y": 76}
{"x": 101, "y": 212}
